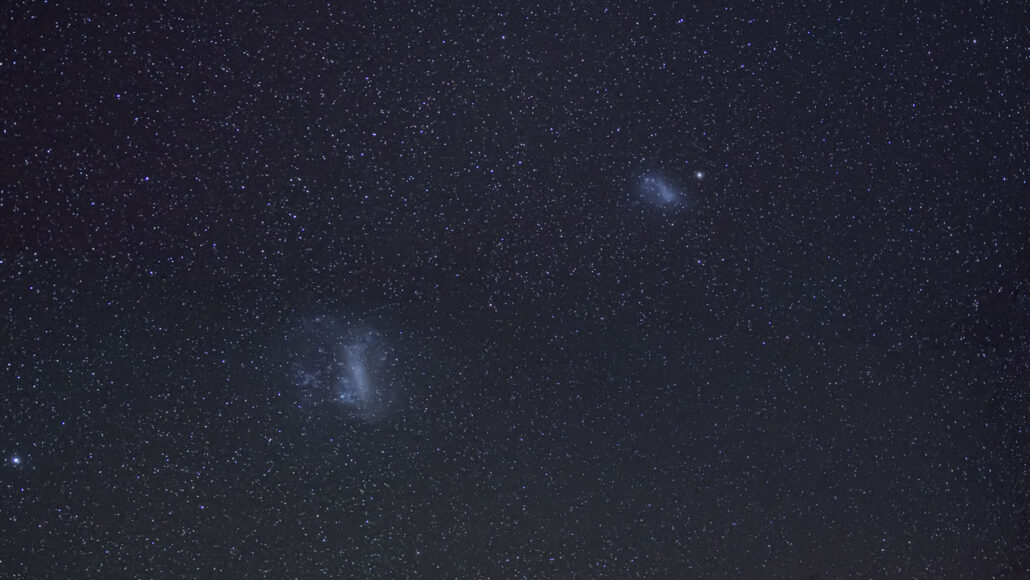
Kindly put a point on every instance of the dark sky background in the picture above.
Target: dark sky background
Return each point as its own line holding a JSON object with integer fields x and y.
{"x": 734, "y": 291}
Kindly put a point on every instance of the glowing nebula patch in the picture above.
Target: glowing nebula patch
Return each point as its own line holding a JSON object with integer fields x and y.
{"x": 658, "y": 191}
{"x": 331, "y": 361}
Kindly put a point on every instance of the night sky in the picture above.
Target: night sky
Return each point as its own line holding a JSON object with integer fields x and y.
{"x": 333, "y": 291}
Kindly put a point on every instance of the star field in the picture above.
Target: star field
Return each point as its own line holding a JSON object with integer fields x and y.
{"x": 575, "y": 290}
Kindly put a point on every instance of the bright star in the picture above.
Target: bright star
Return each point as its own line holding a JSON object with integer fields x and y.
{"x": 16, "y": 460}
{"x": 699, "y": 174}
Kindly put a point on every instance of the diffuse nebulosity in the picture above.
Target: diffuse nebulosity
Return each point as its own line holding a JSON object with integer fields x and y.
{"x": 344, "y": 363}
{"x": 656, "y": 190}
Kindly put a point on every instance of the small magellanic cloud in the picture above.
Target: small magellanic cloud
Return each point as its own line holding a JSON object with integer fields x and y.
{"x": 657, "y": 190}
